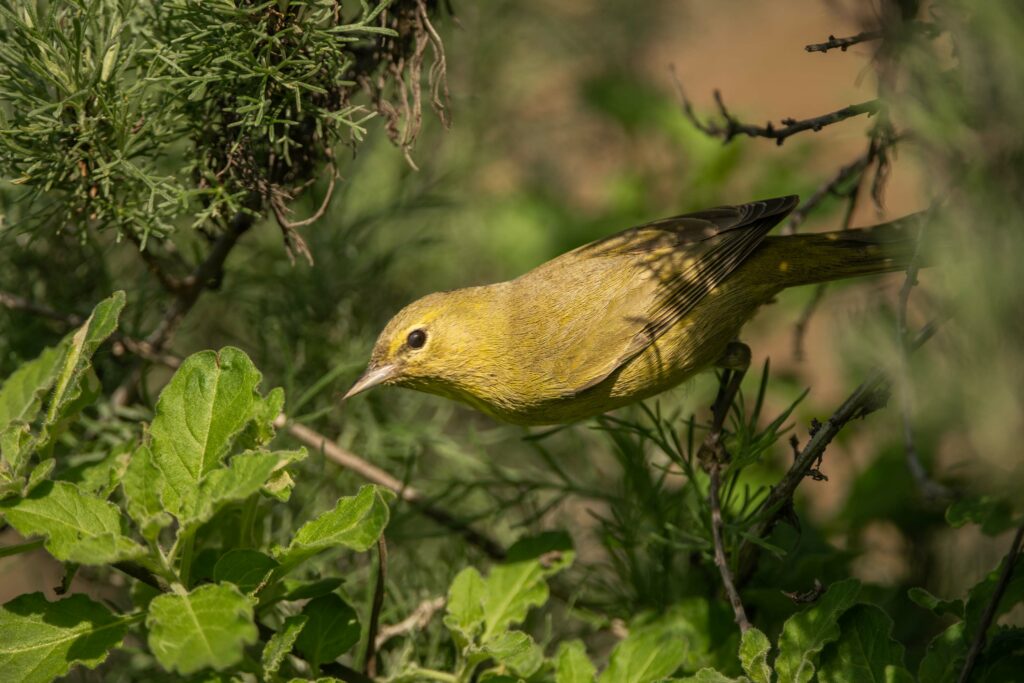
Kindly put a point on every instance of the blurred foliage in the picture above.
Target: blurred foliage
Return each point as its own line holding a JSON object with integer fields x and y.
{"x": 127, "y": 123}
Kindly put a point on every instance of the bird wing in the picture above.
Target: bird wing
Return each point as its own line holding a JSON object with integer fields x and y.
{"x": 678, "y": 262}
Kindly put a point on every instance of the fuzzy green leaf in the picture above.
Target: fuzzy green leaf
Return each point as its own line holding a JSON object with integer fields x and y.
{"x": 332, "y": 627}
{"x": 78, "y": 350}
{"x": 464, "y": 612}
{"x": 43, "y": 640}
{"x": 805, "y": 634}
{"x": 244, "y": 475}
{"x": 21, "y": 394}
{"x": 79, "y": 527}
{"x": 572, "y": 664}
{"x": 208, "y": 627}
{"x": 142, "y": 484}
{"x": 356, "y": 522}
{"x": 865, "y": 648}
{"x": 649, "y": 653}
{"x": 920, "y": 596}
{"x": 944, "y": 657}
{"x": 754, "y": 649}
{"x": 995, "y": 515}
{"x": 247, "y": 569}
{"x": 517, "y": 651}
{"x": 708, "y": 675}
{"x": 280, "y": 644}
{"x": 204, "y": 406}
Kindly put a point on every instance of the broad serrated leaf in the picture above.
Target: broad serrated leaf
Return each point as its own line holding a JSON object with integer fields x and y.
{"x": 332, "y": 627}
{"x": 516, "y": 651}
{"x": 204, "y": 406}
{"x": 920, "y": 596}
{"x": 944, "y": 657}
{"x": 356, "y": 522}
{"x": 981, "y": 595}
{"x": 260, "y": 431}
{"x": 43, "y": 640}
{"x": 865, "y": 649}
{"x": 994, "y": 515}
{"x": 280, "y": 644}
{"x": 40, "y": 473}
{"x": 572, "y": 664}
{"x": 754, "y": 649}
{"x": 247, "y": 569}
{"x": 78, "y": 349}
{"x": 21, "y": 394}
{"x": 142, "y": 484}
{"x": 78, "y": 526}
{"x": 805, "y": 634}
{"x": 517, "y": 585}
{"x": 244, "y": 475}
{"x": 208, "y": 627}
{"x": 648, "y": 654}
{"x": 464, "y": 609}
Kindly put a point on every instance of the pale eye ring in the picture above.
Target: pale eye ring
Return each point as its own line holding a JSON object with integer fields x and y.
{"x": 416, "y": 339}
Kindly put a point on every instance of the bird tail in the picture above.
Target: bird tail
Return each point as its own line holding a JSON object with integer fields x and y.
{"x": 794, "y": 260}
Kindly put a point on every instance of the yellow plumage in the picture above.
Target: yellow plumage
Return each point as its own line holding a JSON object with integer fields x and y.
{"x": 617, "y": 320}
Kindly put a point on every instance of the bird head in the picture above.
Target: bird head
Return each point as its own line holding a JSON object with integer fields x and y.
{"x": 426, "y": 343}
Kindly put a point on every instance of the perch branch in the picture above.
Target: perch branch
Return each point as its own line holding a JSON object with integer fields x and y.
{"x": 978, "y": 644}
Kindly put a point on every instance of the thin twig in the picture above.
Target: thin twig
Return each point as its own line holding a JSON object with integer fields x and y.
{"x": 721, "y": 562}
{"x": 978, "y": 644}
{"x": 844, "y": 44}
{"x": 802, "y": 323}
{"x": 372, "y": 473}
{"x": 416, "y": 620}
{"x": 929, "y": 488}
{"x": 370, "y": 659}
{"x": 871, "y": 395}
{"x": 730, "y": 126}
{"x": 831, "y": 187}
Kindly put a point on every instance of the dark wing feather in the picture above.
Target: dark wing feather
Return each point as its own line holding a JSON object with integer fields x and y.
{"x": 688, "y": 256}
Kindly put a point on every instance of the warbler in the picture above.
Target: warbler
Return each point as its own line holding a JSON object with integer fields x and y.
{"x": 620, "y": 319}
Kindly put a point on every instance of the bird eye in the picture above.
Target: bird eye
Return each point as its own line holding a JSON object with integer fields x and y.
{"x": 416, "y": 339}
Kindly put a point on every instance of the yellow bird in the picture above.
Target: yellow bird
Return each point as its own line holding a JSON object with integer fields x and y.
{"x": 620, "y": 319}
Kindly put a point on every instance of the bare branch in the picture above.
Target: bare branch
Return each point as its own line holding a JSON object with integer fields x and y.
{"x": 729, "y": 127}
{"x": 417, "y": 620}
{"x": 721, "y": 562}
{"x": 844, "y": 44}
{"x": 830, "y": 187}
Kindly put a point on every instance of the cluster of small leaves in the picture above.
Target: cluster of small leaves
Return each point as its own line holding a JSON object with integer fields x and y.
{"x": 204, "y": 452}
{"x": 96, "y": 97}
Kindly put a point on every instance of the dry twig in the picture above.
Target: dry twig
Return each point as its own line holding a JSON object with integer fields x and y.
{"x": 417, "y": 620}
{"x": 370, "y": 659}
{"x": 844, "y": 44}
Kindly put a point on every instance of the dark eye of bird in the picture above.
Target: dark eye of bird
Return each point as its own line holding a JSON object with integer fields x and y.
{"x": 416, "y": 339}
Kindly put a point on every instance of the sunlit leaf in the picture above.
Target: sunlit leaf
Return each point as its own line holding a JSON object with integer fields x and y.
{"x": 805, "y": 634}
{"x": 572, "y": 664}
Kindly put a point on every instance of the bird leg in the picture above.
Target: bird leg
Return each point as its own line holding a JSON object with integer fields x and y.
{"x": 713, "y": 455}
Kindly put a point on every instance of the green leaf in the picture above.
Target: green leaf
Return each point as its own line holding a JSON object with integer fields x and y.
{"x": 332, "y": 627}
{"x": 301, "y": 589}
{"x": 244, "y": 475}
{"x": 78, "y": 350}
{"x": 204, "y": 406}
{"x": 142, "y": 485}
{"x": 79, "y": 527}
{"x": 517, "y": 651}
{"x": 208, "y": 627}
{"x": 754, "y": 649}
{"x": 15, "y": 448}
{"x": 982, "y": 593}
{"x": 944, "y": 657}
{"x": 572, "y": 664}
{"x": 39, "y": 474}
{"x": 21, "y": 394}
{"x": 995, "y": 515}
{"x": 464, "y": 610}
{"x": 356, "y": 522}
{"x": 280, "y": 644}
{"x": 940, "y": 607}
{"x": 247, "y": 569}
{"x": 805, "y": 634}
{"x": 649, "y": 653}
{"x": 42, "y": 640}
{"x": 515, "y": 586}
{"x": 865, "y": 649}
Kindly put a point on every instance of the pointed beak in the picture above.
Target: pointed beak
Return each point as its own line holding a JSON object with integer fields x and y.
{"x": 371, "y": 378}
